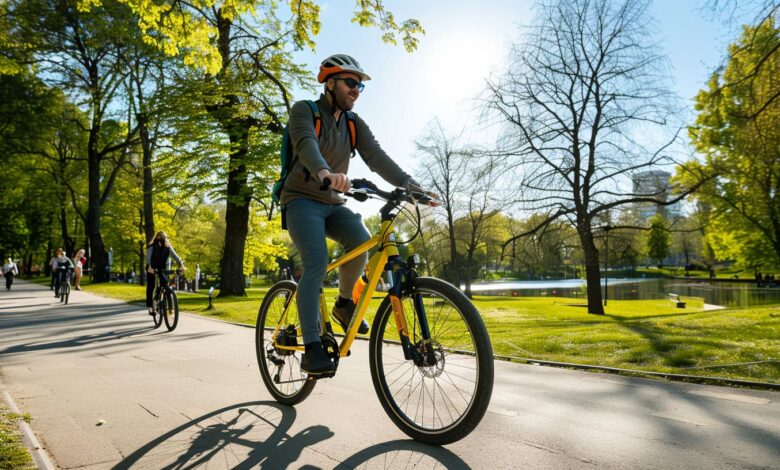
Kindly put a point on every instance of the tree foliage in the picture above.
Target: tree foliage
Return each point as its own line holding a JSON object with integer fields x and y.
{"x": 740, "y": 147}
{"x": 658, "y": 240}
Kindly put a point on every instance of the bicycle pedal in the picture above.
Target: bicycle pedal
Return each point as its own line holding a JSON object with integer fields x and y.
{"x": 328, "y": 375}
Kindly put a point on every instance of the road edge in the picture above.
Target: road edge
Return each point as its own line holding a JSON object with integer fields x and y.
{"x": 39, "y": 455}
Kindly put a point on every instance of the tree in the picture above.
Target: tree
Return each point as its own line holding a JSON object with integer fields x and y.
{"x": 469, "y": 209}
{"x": 740, "y": 146}
{"x": 757, "y": 12}
{"x": 581, "y": 91}
{"x": 658, "y": 240}
{"x": 77, "y": 51}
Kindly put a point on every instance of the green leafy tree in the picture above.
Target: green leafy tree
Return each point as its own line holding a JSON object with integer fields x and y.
{"x": 77, "y": 50}
{"x": 740, "y": 147}
{"x": 658, "y": 240}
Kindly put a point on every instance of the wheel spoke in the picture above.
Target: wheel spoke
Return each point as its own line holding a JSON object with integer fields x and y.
{"x": 286, "y": 381}
{"x": 430, "y": 396}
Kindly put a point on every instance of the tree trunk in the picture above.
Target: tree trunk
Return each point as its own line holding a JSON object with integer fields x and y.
{"x": 592, "y": 274}
{"x": 98, "y": 255}
{"x": 453, "y": 270}
{"x": 68, "y": 241}
{"x": 146, "y": 145}
{"x": 466, "y": 273}
{"x": 141, "y": 273}
{"x": 239, "y": 196}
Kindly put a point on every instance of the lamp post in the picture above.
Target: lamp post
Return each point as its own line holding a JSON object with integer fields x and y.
{"x": 606, "y": 262}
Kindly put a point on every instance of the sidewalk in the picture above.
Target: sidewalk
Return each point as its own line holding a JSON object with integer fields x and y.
{"x": 105, "y": 390}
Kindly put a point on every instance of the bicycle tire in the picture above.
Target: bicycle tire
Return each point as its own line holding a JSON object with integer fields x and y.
{"x": 62, "y": 292}
{"x": 171, "y": 312}
{"x": 428, "y": 403}
{"x": 292, "y": 386}
{"x": 157, "y": 317}
{"x": 66, "y": 293}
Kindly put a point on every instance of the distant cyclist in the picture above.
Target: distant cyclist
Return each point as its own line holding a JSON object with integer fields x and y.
{"x": 157, "y": 255}
{"x": 9, "y": 271}
{"x": 313, "y": 214}
{"x": 61, "y": 267}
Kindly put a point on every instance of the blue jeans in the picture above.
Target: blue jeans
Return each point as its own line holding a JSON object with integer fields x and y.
{"x": 309, "y": 223}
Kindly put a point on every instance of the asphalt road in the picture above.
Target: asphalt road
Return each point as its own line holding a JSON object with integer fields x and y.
{"x": 105, "y": 390}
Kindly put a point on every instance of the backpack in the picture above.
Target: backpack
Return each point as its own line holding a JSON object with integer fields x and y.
{"x": 288, "y": 159}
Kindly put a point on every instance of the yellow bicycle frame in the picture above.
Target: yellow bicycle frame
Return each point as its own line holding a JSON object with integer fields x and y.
{"x": 386, "y": 241}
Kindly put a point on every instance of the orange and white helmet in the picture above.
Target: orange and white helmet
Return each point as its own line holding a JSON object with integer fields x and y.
{"x": 340, "y": 63}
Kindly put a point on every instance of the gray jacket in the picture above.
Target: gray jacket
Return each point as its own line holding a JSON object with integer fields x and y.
{"x": 331, "y": 152}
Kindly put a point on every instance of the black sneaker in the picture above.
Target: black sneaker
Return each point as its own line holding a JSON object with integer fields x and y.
{"x": 342, "y": 314}
{"x": 316, "y": 362}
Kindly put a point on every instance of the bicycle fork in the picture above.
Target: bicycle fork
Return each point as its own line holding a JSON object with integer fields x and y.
{"x": 420, "y": 352}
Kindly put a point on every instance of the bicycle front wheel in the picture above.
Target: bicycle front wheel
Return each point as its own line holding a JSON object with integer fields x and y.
{"x": 441, "y": 395}
{"x": 66, "y": 293}
{"x": 280, "y": 368}
{"x": 171, "y": 311}
{"x": 159, "y": 308}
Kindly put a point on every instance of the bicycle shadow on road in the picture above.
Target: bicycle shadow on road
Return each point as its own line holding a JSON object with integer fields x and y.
{"x": 402, "y": 454}
{"x": 242, "y": 436}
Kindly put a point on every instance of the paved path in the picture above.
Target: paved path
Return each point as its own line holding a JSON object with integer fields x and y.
{"x": 105, "y": 390}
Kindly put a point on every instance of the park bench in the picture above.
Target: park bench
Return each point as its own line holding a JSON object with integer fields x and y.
{"x": 676, "y": 299}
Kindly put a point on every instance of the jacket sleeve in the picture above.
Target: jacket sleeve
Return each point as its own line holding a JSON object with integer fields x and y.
{"x": 375, "y": 157}
{"x": 175, "y": 256}
{"x": 304, "y": 139}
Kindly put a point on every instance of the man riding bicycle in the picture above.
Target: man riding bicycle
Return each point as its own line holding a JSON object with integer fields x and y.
{"x": 312, "y": 214}
{"x": 157, "y": 255}
{"x": 62, "y": 266}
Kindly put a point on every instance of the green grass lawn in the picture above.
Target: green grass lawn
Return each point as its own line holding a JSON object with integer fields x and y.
{"x": 13, "y": 453}
{"x": 646, "y": 335}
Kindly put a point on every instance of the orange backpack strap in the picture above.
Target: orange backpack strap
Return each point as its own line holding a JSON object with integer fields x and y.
{"x": 352, "y": 131}
{"x": 315, "y": 110}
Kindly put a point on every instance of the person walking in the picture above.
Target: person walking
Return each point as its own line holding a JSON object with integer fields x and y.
{"x": 78, "y": 262}
{"x": 52, "y": 268}
{"x": 157, "y": 255}
{"x": 197, "y": 277}
{"x": 10, "y": 271}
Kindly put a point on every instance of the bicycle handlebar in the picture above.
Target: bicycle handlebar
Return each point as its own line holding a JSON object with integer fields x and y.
{"x": 363, "y": 188}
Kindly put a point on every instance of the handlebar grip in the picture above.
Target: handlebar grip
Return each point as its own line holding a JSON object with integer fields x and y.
{"x": 325, "y": 184}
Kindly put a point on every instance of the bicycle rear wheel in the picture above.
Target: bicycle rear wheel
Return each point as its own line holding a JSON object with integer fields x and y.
{"x": 442, "y": 396}
{"x": 281, "y": 368}
{"x": 157, "y": 317}
{"x": 171, "y": 311}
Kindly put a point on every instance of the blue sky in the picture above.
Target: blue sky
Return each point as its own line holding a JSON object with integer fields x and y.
{"x": 464, "y": 42}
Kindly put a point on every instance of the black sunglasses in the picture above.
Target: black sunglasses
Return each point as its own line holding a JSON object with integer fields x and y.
{"x": 351, "y": 83}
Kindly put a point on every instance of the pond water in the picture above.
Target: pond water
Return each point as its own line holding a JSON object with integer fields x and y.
{"x": 730, "y": 294}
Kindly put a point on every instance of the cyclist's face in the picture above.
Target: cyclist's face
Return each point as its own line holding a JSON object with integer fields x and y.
{"x": 60, "y": 253}
{"x": 346, "y": 96}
